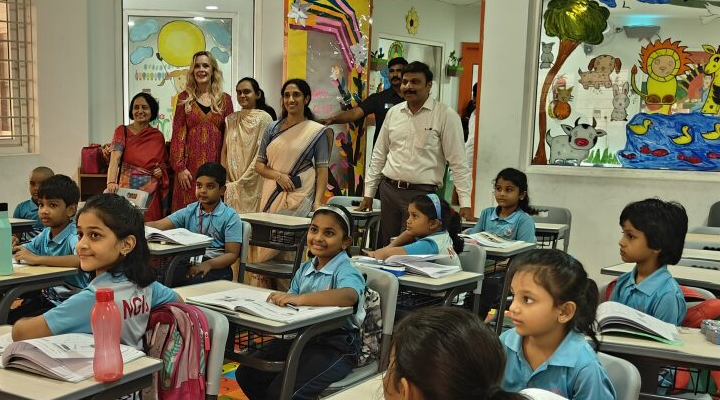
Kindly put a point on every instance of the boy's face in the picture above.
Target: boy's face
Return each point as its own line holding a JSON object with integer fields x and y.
{"x": 54, "y": 212}
{"x": 207, "y": 190}
{"x": 634, "y": 245}
{"x": 36, "y": 179}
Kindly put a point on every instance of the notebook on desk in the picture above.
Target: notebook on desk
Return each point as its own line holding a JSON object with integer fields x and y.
{"x": 176, "y": 236}
{"x": 615, "y": 317}
{"x": 490, "y": 240}
{"x": 421, "y": 264}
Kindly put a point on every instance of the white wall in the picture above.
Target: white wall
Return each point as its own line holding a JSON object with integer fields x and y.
{"x": 594, "y": 200}
{"x": 63, "y": 105}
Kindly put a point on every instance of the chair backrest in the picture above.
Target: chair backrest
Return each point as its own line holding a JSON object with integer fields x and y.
{"x": 706, "y": 264}
{"x": 555, "y": 215}
{"x": 244, "y": 249}
{"x": 714, "y": 215}
{"x": 472, "y": 259}
{"x": 138, "y": 197}
{"x": 347, "y": 201}
{"x": 219, "y": 327}
{"x": 623, "y": 375}
{"x": 386, "y": 284}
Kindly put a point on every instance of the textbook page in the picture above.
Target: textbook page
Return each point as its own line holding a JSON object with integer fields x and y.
{"x": 613, "y": 316}
{"x": 490, "y": 240}
{"x": 175, "y": 236}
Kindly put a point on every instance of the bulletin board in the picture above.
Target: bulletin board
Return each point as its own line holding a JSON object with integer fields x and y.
{"x": 327, "y": 44}
{"x": 625, "y": 84}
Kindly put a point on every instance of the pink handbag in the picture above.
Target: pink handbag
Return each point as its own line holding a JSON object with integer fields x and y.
{"x": 92, "y": 160}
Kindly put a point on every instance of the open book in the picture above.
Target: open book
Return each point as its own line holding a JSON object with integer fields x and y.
{"x": 490, "y": 240}
{"x": 421, "y": 264}
{"x": 67, "y": 357}
{"x": 616, "y": 317}
{"x": 175, "y": 236}
{"x": 254, "y": 302}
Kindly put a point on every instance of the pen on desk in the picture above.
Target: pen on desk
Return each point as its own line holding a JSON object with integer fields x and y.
{"x": 292, "y": 306}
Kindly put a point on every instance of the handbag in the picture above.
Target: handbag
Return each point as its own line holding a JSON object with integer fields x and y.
{"x": 92, "y": 160}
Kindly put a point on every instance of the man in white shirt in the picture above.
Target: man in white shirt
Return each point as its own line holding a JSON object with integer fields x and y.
{"x": 419, "y": 136}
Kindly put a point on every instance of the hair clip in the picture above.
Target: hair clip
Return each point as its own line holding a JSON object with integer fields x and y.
{"x": 436, "y": 202}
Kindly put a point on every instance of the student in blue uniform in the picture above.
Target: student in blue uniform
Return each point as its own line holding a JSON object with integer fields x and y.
{"x": 653, "y": 237}
{"x": 28, "y": 209}
{"x": 511, "y": 218}
{"x": 208, "y": 216}
{"x": 112, "y": 246}
{"x": 327, "y": 280}
{"x": 432, "y": 228}
{"x": 553, "y": 310}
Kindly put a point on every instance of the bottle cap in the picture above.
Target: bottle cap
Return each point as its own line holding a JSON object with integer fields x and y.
{"x": 104, "y": 294}
{"x": 3, "y": 207}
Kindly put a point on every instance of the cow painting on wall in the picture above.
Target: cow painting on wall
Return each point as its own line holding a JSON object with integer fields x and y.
{"x": 574, "y": 145}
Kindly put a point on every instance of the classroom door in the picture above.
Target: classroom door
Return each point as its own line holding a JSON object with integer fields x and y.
{"x": 471, "y": 59}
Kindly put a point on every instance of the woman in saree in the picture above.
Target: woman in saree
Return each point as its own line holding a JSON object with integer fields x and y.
{"x": 139, "y": 159}
{"x": 243, "y": 131}
{"x": 198, "y": 126}
{"x": 293, "y": 158}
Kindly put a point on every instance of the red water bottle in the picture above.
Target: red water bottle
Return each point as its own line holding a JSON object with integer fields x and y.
{"x": 105, "y": 322}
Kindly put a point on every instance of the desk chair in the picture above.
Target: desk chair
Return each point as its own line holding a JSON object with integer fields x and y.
{"x": 386, "y": 284}
{"x": 556, "y": 215}
{"x": 244, "y": 249}
{"x": 371, "y": 228}
{"x": 219, "y": 326}
{"x": 714, "y": 215}
{"x": 472, "y": 259}
{"x": 624, "y": 376}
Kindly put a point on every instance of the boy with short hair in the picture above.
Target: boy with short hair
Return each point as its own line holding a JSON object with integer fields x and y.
{"x": 208, "y": 216}
{"x": 28, "y": 209}
{"x": 653, "y": 237}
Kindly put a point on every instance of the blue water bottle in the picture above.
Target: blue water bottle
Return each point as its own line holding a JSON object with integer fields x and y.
{"x": 6, "y": 267}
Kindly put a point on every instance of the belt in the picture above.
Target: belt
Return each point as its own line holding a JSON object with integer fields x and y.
{"x": 411, "y": 186}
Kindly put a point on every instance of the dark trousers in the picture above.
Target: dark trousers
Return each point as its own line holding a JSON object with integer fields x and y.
{"x": 393, "y": 211}
{"x": 324, "y": 360}
{"x": 180, "y": 277}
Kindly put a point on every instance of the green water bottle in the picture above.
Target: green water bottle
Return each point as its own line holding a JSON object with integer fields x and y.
{"x": 6, "y": 267}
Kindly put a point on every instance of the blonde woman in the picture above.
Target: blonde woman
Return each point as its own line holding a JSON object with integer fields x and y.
{"x": 198, "y": 126}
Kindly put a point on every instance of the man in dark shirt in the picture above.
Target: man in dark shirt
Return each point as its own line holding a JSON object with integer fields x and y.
{"x": 378, "y": 103}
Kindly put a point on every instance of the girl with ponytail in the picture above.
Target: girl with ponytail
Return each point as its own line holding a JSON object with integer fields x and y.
{"x": 553, "y": 310}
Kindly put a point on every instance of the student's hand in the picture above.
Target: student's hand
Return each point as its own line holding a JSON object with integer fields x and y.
{"x": 282, "y": 299}
{"x": 285, "y": 183}
{"x": 22, "y": 254}
{"x": 365, "y": 204}
{"x": 157, "y": 172}
{"x": 466, "y": 213}
{"x": 112, "y": 188}
{"x": 14, "y": 241}
{"x": 185, "y": 178}
{"x": 201, "y": 269}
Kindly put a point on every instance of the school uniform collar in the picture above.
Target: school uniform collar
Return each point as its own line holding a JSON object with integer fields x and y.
{"x": 428, "y": 105}
{"x": 510, "y": 218}
{"x": 69, "y": 229}
{"x": 566, "y": 355}
{"x": 330, "y": 267}
{"x": 652, "y": 283}
{"x": 219, "y": 209}
{"x": 107, "y": 278}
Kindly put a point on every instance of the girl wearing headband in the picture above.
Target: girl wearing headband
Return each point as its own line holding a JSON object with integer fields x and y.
{"x": 327, "y": 280}
{"x": 432, "y": 228}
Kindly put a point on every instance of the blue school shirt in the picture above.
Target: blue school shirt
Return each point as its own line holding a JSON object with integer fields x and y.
{"x": 516, "y": 226}
{"x": 63, "y": 244}
{"x": 336, "y": 274}
{"x": 223, "y": 224}
{"x": 29, "y": 210}
{"x": 572, "y": 371}
{"x": 658, "y": 295}
{"x": 133, "y": 302}
{"x": 436, "y": 243}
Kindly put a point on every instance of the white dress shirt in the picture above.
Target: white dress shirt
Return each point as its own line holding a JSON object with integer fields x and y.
{"x": 415, "y": 148}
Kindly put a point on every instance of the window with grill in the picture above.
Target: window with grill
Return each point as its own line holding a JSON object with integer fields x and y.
{"x": 17, "y": 80}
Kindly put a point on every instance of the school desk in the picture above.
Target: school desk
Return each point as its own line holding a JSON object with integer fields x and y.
{"x": 178, "y": 253}
{"x": 28, "y": 278}
{"x": 707, "y": 241}
{"x": 370, "y": 389}
{"x": 16, "y": 384}
{"x": 545, "y": 232}
{"x": 306, "y": 329}
{"x": 19, "y": 225}
{"x": 696, "y": 254}
{"x": 280, "y": 232}
{"x": 650, "y": 355}
{"x": 689, "y": 276}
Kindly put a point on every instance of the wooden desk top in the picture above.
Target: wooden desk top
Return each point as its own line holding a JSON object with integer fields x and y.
{"x": 696, "y": 254}
{"x": 21, "y": 222}
{"x": 23, "y": 384}
{"x": 370, "y": 389}
{"x": 251, "y": 321}
{"x": 276, "y": 220}
{"x": 690, "y": 276}
{"x": 24, "y": 273}
{"x": 703, "y": 238}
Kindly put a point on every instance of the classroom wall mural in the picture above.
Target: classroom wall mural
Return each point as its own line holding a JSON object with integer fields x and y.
{"x": 327, "y": 44}
{"x": 159, "y": 53}
{"x": 628, "y": 84}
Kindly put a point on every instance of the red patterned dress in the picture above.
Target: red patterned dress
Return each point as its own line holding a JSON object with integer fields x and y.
{"x": 197, "y": 138}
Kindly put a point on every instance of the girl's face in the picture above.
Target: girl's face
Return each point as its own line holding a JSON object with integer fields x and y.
{"x": 98, "y": 248}
{"x": 294, "y": 100}
{"x": 419, "y": 224}
{"x": 202, "y": 70}
{"x": 507, "y": 194}
{"x": 533, "y": 309}
{"x": 326, "y": 238}
{"x": 246, "y": 96}
{"x": 141, "y": 110}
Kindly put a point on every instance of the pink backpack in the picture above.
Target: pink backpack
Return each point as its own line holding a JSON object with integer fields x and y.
{"x": 179, "y": 335}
